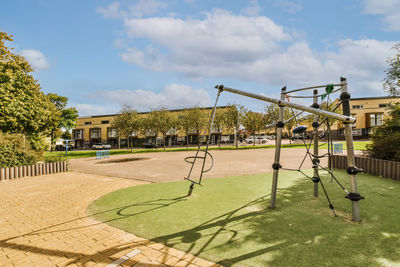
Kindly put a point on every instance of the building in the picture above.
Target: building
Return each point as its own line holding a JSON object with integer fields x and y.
{"x": 369, "y": 113}
{"x": 98, "y": 129}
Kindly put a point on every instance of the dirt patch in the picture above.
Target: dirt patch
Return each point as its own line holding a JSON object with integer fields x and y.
{"x": 120, "y": 160}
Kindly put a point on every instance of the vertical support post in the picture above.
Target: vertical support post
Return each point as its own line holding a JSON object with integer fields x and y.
{"x": 276, "y": 165}
{"x": 315, "y": 142}
{"x": 345, "y": 97}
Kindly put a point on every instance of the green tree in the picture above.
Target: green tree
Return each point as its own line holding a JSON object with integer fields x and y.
{"x": 127, "y": 123}
{"x": 161, "y": 121}
{"x": 23, "y": 107}
{"x": 219, "y": 122}
{"x": 253, "y": 122}
{"x": 386, "y": 138}
{"x": 392, "y": 81}
{"x": 66, "y": 120}
{"x": 192, "y": 120}
{"x": 271, "y": 114}
{"x": 233, "y": 115}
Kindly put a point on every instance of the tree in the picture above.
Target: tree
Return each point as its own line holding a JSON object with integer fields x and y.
{"x": 66, "y": 120}
{"x": 386, "y": 138}
{"x": 233, "y": 115}
{"x": 253, "y": 122}
{"x": 161, "y": 121}
{"x": 192, "y": 120}
{"x": 219, "y": 121}
{"x": 271, "y": 113}
{"x": 392, "y": 81}
{"x": 23, "y": 107}
{"x": 127, "y": 123}
{"x": 289, "y": 124}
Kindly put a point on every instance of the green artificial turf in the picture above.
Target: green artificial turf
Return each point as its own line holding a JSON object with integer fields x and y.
{"x": 228, "y": 220}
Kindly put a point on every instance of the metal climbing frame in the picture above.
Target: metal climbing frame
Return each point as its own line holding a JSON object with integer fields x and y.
{"x": 352, "y": 170}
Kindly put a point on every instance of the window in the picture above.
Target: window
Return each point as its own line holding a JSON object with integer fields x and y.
{"x": 112, "y": 133}
{"x": 375, "y": 119}
{"x": 358, "y": 106}
{"x": 88, "y": 122}
{"x": 78, "y": 134}
{"x": 95, "y": 133}
{"x": 105, "y": 122}
{"x": 383, "y": 105}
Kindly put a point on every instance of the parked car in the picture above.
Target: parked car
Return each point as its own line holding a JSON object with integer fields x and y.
{"x": 101, "y": 146}
{"x": 257, "y": 140}
{"x": 63, "y": 147}
{"x": 299, "y": 137}
{"x": 149, "y": 145}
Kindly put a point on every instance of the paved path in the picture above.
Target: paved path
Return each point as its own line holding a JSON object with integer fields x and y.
{"x": 170, "y": 166}
{"x": 43, "y": 222}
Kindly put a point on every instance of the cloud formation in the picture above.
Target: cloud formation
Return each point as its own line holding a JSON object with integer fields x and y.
{"x": 37, "y": 60}
{"x": 388, "y": 9}
{"x": 172, "y": 96}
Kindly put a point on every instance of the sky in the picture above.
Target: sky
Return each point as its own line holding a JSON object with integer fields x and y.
{"x": 152, "y": 53}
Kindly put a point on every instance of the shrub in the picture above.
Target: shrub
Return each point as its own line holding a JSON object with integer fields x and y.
{"x": 15, "y": 150}
{"x": 386, "y": 139}
{"x": 55, "y": 158}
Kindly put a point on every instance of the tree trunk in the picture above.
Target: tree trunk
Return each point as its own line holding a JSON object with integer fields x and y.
{"x": 51, "y": 140}
{"x": 254, "y": 139}
{"x": 235, "y": 138}
{"x": 164, "y": 141}
{"x": 187, "y": 139}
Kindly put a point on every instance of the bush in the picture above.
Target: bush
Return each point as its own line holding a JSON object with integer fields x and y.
{"x": 15, "y": 150}
{"x": 386, "y": 139}
{"x": 54, "y": 158}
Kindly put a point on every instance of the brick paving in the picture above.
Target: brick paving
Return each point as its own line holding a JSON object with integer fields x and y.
{"x": 43, "y": 222}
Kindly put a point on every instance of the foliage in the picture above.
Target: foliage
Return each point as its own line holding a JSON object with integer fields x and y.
{"x": 23, "y": 107}
{"x": 66, "y": 119}
{"x": 386, "y": 138}
{"x": 55, "y": 158}
{"x": 233, "y": 115}
{"x": 253, "y": 122}
{"x": 127, "y": 123}
{"x": 392, "y": 80}
{"x": 193, "y": 120}
{"x": 15, "y": 151}
{"x": 219, "y": 122}
{"x": 162, "y": 121}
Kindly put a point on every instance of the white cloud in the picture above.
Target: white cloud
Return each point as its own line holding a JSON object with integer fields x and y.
{"x": 253, "y": 9}
{"x": 111, "y": 11}
{"x": 172, "y": 96}
{"x": 146, "y": 7}
{"x": 288, "y": 6}
{"x": 251, "y": 48}
{"x": 37, "y": 60}
{"x": 389, "y": 9}
{"x": 93, "y": 109}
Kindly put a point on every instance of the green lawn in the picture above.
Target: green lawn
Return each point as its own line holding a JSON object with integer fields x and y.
{"x": 227, "y": 221}
{"x": 358, "y": 145}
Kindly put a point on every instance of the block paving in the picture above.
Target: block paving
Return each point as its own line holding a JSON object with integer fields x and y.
{"x": 43, "y": 222}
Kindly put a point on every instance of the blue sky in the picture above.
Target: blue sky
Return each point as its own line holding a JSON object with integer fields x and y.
{"x": 147, "y": 53}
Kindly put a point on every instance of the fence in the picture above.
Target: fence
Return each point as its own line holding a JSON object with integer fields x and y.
{"x": 379, "y": 167}
{"x": 32, "y": 170}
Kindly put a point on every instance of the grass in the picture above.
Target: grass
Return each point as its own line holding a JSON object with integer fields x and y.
{"x": 358, "y": 145}
{"x": 227, "y": 221}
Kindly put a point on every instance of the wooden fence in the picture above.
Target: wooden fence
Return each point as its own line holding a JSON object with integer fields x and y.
{"x": 32, "y": 170}
{"x": 379, "y": 167}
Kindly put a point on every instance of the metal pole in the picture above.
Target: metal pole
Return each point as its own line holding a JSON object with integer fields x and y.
{"x": 284, "y": 103}
{"x": 276, "y": 165}
{"x": 315, "y": 141}
{"x": 351, "y": 170}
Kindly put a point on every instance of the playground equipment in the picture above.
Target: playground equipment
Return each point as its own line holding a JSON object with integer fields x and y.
{"x": 102, "y": 154}
{"x": 315, "y": 109}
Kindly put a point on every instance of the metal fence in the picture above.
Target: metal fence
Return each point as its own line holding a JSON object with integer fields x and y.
{"x": 379, "y": 167}
{"x": 32, "y": 170}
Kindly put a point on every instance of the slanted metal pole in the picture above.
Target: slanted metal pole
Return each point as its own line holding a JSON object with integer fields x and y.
{"x": 315, "y": 141}
{"x": 345, "y": 97}
{"x": 278, "y": 142}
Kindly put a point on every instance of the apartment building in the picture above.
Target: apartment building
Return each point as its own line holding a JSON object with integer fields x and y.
{"x": 98, "y": 129}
